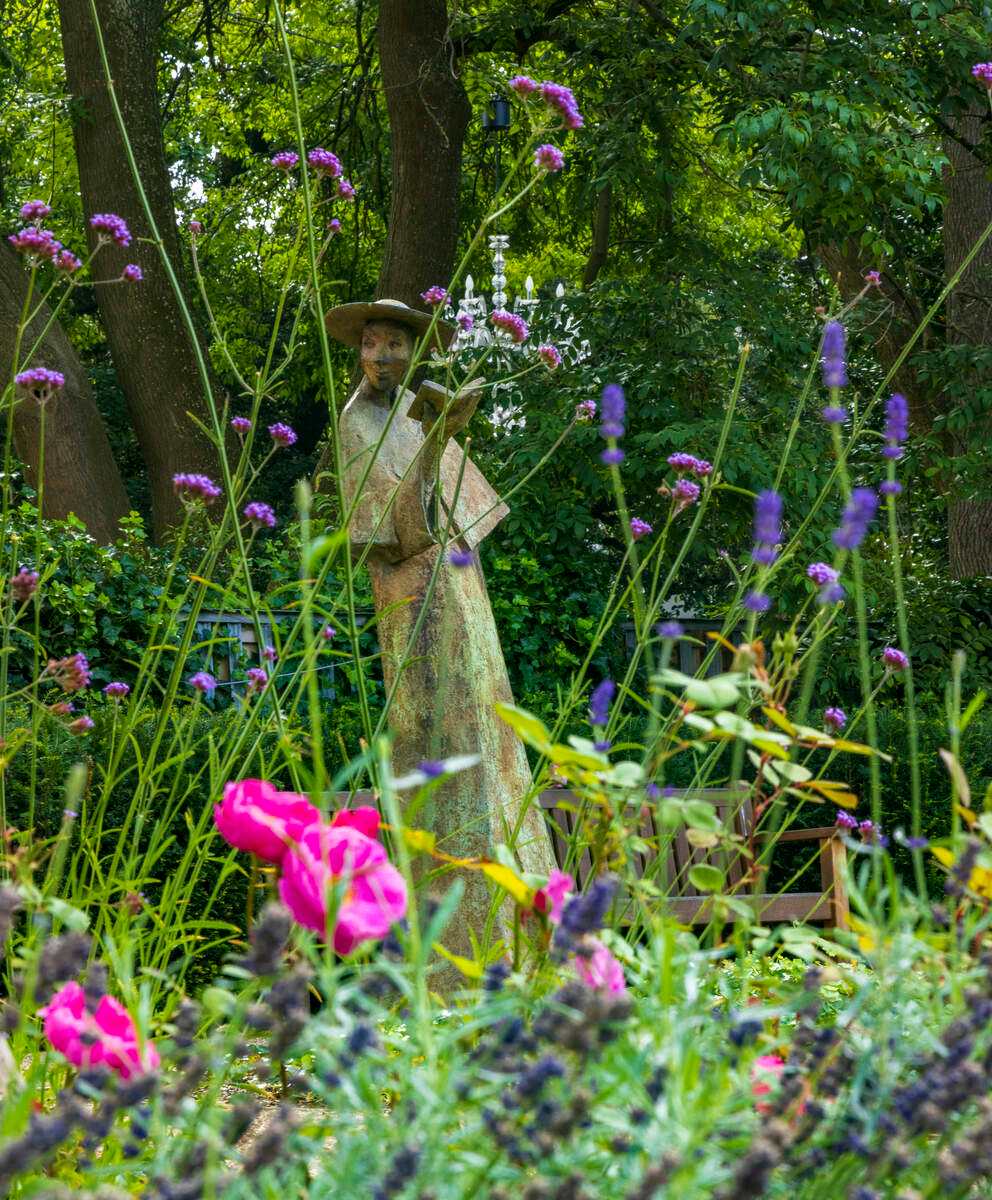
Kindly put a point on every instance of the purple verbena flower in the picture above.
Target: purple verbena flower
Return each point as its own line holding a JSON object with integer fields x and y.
{"x": 873, "y": 278}
{"x": 845, "y": 820}
{"x": 461, "y": 558}
{"x": 822, "y": 573}
{"x": 117, "y": 690}
{"x": 324, "y": 162}
{"x": 670, "y": 629}
{"x": 834, "y": 717}
{"x": 435, "y": 295}
{"x": 346, "y": 189}
{"x": 40, "y": 383}
{"x": 241, "y": 424}
{"x": 195, "y": 487}
{"x": 613, "y": 408}
{"x": 510, "y": 323}
{"x": 639, "y": 528}
{"x": 66, "y": 262}
{"x": 757, "y": 602}
{"x": 111, "y": 228}
{"x": 548, "y": 158}
{"x": 896, "y": 425}
{"x": 203, "y": 682}
{"x": 523, "y": 85}
{"x": 890, "y": 487}
{"x": 894, "y": 659}
{"x": 24, "y": 584}
{"x": 680, "y": 461}
{"x": 767, "y": 527}
{"x": 281, "y": 434}
{"x": 195, "y": 228}
{"x": 983, "y": 71}
{"x": 549, "y": 355}
{"x": 328, "y": 632}
{"x": 599, "y": 703}
{"x": 34, "y": 243}
{"x": 257, "y": 679}
{"x": 285, "y": 160}
{"x": 71, "y": 674}
{"x": 132, "y": 273}
{"x": 269, "y": 653}
{"x": 333, "y": 226}
{"x": 560, "y": 98}
{"x": 684, "y": 493}
{"x": 585, "y": 411}
{"x": 834, "y": 355}
{"x": 260, "y": 514}
{"x": 81, "y": 724}
{"x": 35, "y": 210}
{"x": 465, "y": 322}
{"x": 857, "y": 516}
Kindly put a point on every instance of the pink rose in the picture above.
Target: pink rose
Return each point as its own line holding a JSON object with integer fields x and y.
{"x": 765, "y": 1073}
{"x": 372, "y": 900}
{"x": 365, "y": 820}
{"x": 600, "y": 969}
{"x": 550, "y": 899}
{"x": 256, "y": 817}
{"x": 105, "y": 1037}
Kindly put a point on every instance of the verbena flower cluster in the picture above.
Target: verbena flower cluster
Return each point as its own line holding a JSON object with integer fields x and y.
{"x": 510, "y": 323}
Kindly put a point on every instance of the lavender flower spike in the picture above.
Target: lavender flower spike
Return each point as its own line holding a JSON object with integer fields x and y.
{"x": 834, "y": 355}
{"x": 857, "y": 516}
{"x": 613, "y": 411}
{"x": 767, "y": 527}
{"x": 896, "y": 425}
{"x": 599, "y": 703}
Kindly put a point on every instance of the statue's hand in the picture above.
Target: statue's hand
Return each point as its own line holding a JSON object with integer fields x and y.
{"x": 434, "y": 401}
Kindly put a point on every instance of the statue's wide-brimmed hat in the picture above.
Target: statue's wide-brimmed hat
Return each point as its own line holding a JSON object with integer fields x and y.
{"x": 347, "y": 321}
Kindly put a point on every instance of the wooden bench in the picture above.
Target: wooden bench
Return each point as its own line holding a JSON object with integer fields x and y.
{"x": 828, "y": 906}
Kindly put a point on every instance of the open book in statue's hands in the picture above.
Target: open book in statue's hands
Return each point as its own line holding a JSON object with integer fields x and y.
{"x": 432, "y": 400}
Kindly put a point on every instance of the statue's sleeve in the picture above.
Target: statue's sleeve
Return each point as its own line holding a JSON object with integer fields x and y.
{"x": 367, "y": 486}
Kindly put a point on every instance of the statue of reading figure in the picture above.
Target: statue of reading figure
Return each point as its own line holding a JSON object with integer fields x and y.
{"x": 449, "y": 679}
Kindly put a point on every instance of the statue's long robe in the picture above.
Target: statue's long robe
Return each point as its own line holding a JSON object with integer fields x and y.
{"x": 449, "y": 681}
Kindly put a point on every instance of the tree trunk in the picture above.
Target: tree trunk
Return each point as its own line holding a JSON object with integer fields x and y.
{"x": 600, "y": 236}
{"x": 428, "y": 116}
{"x": 152, "y": 353}
{"x": 967, "y": 212}
{"x": 81, "y": 476}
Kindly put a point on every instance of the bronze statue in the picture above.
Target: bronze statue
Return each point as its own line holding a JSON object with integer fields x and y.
{"x": 449, "y": 680}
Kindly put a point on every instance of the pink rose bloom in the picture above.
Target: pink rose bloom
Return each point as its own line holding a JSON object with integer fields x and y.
{"x": 256, "y": 817}
{"x": 765, "y": 1073}
{"x": 373, "y": 899}
{"x": 111, "y": 1039}
{"x": 600, "y": 970}
{"x": 365, "y": 820}
{"x": 550, "y": 899}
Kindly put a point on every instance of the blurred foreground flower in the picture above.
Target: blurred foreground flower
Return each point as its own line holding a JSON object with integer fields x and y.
{"x": 105, "y": 1037}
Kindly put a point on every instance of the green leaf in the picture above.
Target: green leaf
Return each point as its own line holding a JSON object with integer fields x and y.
{"x": 526, "y": 726}
{"x": 705, "y": 877}
{"x": 700, "y": 814}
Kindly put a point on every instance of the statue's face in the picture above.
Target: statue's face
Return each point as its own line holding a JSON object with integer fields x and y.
{"x": 387, "y": 348}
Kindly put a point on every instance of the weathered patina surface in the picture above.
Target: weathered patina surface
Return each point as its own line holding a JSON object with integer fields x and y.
{"x": 440, "y": 648}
